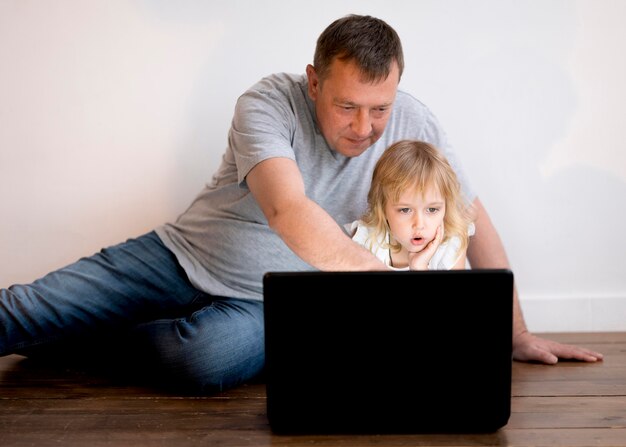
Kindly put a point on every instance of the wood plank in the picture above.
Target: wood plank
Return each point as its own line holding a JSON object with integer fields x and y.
{"x": 569, "y": 388}
{"x": 583, "y": 338}
{"x": 582, "y": 437}
{"x": 578, "y": 437}
{"x": 568, "y": 412}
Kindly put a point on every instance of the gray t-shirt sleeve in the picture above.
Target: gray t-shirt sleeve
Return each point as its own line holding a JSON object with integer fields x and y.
{"x": 261, "y": 129}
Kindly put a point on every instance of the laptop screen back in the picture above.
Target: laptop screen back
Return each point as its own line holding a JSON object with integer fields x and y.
{"x": 366, "y": 352}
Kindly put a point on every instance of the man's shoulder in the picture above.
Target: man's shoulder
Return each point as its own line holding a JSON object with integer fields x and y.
{"x": 277, "y": 95}
{"x": 405, "y": 100}
{"x": 279, "y": 81}
{"x": 412, "y": 119}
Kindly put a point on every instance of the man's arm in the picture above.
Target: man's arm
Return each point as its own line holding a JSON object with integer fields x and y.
{"x": 308, "y": 230}
{"x": 486, "y": 251}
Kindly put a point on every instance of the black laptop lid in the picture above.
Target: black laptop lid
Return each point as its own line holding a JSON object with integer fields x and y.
{"x": 367, "y": 352}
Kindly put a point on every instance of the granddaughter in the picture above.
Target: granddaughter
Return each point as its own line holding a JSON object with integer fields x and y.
{"x": 416, "y": 217}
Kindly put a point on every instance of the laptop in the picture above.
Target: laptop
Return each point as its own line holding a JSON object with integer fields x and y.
{"x": 388, "y": 352}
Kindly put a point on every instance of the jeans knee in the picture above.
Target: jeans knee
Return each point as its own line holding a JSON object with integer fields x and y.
{"x": 204, "y": 360}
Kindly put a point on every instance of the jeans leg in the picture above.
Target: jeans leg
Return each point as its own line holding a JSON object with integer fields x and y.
{"x": 217, "y": 347}
{"x": 121, "y": 286}
{"x": 131, "y": 305}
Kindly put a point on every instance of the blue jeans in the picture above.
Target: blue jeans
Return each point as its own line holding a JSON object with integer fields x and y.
{"x": 134, "y": 298}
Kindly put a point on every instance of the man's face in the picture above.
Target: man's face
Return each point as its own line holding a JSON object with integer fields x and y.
{"x": 351, "y": 114}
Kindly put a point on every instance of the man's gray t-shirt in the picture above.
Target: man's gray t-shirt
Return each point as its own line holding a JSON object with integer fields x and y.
{"x": 223, "y": 241}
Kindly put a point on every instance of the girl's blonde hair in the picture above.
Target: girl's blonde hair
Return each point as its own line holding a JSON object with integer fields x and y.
{"x": 416, "y": 165}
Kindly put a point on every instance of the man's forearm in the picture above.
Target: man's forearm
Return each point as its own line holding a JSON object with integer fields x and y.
{"x": 318, "y": 240}
{"x": 307, "y": 229}
{"x": 487, "y": 251}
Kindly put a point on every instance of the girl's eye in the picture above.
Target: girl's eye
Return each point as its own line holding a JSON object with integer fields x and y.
{"x": 404, "y": 210}
{"x": 432, "y": 210}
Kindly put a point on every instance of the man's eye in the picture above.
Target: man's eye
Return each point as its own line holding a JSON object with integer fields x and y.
{"x": 379, "y": 113}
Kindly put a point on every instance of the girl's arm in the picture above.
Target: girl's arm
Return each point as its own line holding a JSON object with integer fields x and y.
{"x": 460, "y": 262}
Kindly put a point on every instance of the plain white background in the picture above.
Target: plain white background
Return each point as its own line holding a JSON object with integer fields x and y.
{"x": 114, "y": 113}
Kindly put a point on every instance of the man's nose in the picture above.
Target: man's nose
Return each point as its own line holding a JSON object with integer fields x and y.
{"x": 362, "y": 124}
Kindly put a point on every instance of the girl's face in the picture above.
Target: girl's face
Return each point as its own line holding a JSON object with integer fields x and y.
{"x": 415, "y": 217}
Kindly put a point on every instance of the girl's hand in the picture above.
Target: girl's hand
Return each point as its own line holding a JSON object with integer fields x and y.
{"x": 420, "y": 260}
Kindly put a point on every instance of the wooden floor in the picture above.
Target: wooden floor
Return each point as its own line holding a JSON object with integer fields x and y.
{"x": 568, "y": 404}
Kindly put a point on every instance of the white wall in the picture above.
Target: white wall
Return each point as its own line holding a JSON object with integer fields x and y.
{"x": 114, "y": 113}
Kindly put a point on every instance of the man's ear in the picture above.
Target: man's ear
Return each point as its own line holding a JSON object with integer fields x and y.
{"x": 313, "y": 81}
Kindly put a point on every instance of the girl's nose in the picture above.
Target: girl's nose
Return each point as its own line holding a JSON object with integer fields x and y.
{"x": 418, "y": 222}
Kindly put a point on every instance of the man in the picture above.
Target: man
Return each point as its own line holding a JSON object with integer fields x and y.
{"x": 186, "y": 299}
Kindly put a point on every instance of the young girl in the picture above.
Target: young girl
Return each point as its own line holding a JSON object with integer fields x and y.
{"x": 416, "y": 217}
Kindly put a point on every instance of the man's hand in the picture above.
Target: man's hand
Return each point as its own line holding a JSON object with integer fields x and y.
{"x": 529, "y": 348}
